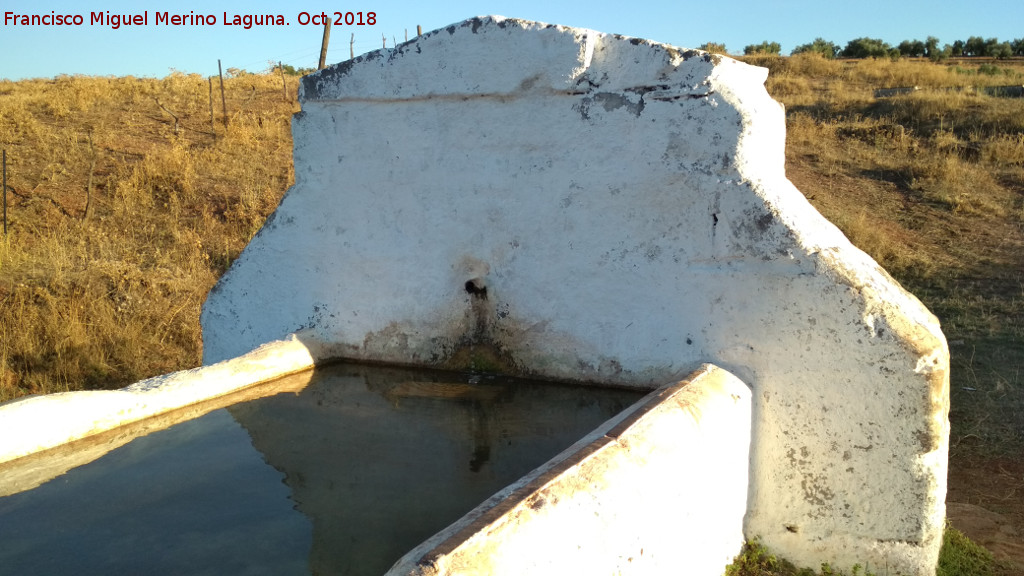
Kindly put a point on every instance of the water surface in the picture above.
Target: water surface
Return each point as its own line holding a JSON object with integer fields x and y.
{"x": 342, "y": 477}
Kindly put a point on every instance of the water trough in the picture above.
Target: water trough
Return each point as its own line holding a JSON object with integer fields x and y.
{"x": 510, "y": 196}
{"x": 336, "y": 471}
{"x": 379, "y": 460}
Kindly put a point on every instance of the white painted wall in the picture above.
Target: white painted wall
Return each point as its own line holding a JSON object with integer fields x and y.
{"x": 660, "y": 489}
{"x": 36, "y": 423}
{"x": 625, "y": 205}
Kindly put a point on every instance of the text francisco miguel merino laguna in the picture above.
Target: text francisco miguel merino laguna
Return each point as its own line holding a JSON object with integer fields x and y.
{"x": 115, "y": 21}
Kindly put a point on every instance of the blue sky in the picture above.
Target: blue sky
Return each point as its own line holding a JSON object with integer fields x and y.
{"x": 47, "y": 51}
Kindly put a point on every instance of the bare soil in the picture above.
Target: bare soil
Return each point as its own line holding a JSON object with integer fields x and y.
{"x": 985, "y": 501}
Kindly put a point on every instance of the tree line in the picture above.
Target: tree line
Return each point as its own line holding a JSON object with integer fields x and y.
{"x": 876, "y": 48}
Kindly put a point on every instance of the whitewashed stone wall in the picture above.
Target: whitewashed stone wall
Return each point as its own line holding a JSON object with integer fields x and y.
{"x": 569, "y": 204}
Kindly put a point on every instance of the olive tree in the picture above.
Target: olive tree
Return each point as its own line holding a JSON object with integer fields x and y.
{"x": 819, "y": 46}
{"x": 868, "y": 48}
{"x": 713, "y": 47}
{"x": 765, "y": 47}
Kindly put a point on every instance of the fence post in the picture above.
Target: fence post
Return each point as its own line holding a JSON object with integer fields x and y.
{"x": 284, "y": 83}
{"x": 223, "y": 99}
{"x": 352, "y": 46}
{"x": 213, "y": 128}
{"x": 323, "y": 44}
{"x": 5, "y": 192}
{"x": 92, "y": 170}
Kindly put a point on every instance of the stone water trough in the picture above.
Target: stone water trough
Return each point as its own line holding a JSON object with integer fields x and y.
{"x": 511, "y": 196}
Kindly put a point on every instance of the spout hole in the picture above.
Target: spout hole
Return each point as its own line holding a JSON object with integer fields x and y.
{"x": 477, "y": 288}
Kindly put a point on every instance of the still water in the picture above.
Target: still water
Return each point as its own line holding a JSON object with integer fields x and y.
{"x": 341, "y": 477}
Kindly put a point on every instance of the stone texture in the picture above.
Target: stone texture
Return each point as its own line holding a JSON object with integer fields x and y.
{"x": 557, "y": 202}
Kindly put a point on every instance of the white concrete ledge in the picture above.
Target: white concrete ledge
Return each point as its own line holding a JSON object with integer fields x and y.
{"x": 660, "y": 489}
{"x": 38, "y": 423}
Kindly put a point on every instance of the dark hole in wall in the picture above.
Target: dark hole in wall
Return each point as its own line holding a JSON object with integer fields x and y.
{"x": 477, "y": 288}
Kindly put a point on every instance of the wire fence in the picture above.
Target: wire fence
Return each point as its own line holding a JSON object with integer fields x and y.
{"x": 301, "y": 60}
{"x": 307, "y": 59}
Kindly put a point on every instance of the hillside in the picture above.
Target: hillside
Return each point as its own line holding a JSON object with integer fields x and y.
{"x": 124, "y": 209}
{"x": 126, "y": 205}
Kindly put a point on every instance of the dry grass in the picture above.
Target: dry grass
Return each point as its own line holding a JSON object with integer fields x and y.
{"x": 103, "y": 299}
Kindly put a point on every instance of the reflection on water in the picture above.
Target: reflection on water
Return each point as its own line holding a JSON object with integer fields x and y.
{"x": 192, "y": 499}
{"x": 364, "y": 464}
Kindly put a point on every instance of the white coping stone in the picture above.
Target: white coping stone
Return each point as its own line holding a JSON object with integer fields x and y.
{"x": 625, "y": 205}
{"x": 660, "y": 489}
{"x": 38, "y": 423}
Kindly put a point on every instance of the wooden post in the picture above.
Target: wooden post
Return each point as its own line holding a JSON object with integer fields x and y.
{"x": 5, "y": 192}
{"x": 406, "y": 34}
{"x": 419, "y": 30}
{"x": 165, "y": 109}
{"x": 213, "y": 128}
{"x": 323, "y": 45}
{"x": 284, "y": 84}
{"x": 92, "y": 170}
{"x": 352, "y": 46}
{"x": 223, "y": 99}
{"x": 383, "y": 42}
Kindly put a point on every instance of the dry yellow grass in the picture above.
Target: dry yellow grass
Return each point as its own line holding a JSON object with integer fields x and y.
{"x": 102, "y": 299}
